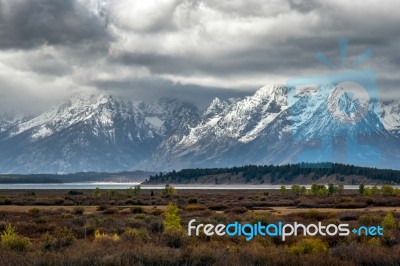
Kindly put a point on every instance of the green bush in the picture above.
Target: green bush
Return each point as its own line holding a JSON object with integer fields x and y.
{"x": 315, "y": 215}
{"x": 66, "y": 216}
{"x": 389, "y": 223}
{"x": 133, "y": 191}
{"x": 283, "y": 190}
{"x": 319, "y": 190}
{"x": 388, "y": 190}
{"x": 61, "y": 237}
{"x": 140, "y": 216}
{"x": 308, "y": 246}
{"x": 172, "y": 221}
{"x": 34, "y": 210}
{"x": 193, "y": 201}
{"x": 11, "y": 240}
{"x": 97, "y": 192}
{"x": 168, "y": 191}
{"x": 41, "y": 220}
{"x": 136, "y": 234}
{"x": 369, "y": 219}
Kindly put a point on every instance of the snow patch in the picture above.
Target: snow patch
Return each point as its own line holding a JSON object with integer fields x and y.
{"x": 155, "y": 122}
{"x": 42, "y": 132}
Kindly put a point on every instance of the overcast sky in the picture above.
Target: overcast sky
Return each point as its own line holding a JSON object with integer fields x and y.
{"x": 193, "y": 50}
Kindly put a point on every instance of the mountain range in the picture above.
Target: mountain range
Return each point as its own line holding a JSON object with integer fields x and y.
{"x": 276, "y": 125}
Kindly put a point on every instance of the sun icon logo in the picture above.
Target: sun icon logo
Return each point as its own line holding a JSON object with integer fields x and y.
{"x": 348, "y": 102}
{"x": 350, "y": 97}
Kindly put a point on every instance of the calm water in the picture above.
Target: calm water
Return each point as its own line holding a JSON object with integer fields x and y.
{"x": 110, "y": 185}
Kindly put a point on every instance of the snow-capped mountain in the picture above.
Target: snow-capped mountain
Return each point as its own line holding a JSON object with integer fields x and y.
{"x": 9, "y": 119}
{"x": 92, "y": 133}
{"x": 390, "y": 116}
{"x": 275, "y": 125}
{"x": 224, "y": 125}
{"x": 270, "y": 127}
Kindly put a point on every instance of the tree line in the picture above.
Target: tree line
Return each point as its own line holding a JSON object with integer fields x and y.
{"x": 286, "y": 172}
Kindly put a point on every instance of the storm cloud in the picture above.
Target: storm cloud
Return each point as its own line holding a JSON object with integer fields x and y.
{"x": 27, "y": 24}
{"x": 192, "y": 50}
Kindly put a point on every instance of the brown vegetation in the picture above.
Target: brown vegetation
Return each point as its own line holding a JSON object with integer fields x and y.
{"x": 126, "y": 228}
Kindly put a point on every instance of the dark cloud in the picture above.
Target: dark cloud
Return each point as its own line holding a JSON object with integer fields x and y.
{"x": 191, "y": 50}
{"x": 27, "y": 24}
{"x": 290, "y": 58}
{"x": 153, "y": 88}
{"x": 303, "y": 6}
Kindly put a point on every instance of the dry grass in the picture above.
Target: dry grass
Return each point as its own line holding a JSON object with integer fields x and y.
{"x": 121, "y": 229}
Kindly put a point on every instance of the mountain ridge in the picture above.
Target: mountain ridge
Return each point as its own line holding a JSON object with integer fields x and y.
{"x": 104, "y": 133}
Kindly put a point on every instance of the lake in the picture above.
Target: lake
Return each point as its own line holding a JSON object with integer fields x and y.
{"x": 112, "y": 185}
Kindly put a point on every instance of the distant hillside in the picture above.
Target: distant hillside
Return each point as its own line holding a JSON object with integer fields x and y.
{"x": 134, "y": 176}
{"x": 280, "y": 174}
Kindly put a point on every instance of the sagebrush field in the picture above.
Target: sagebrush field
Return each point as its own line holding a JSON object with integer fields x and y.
{"x": 138, "y": 227}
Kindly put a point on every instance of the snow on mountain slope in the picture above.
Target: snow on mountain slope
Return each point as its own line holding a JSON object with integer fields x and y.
{"x": 92, "y": 133}
{"x": 7, "y": 120}
{"x": 239, "y": 120}
{"x": 390, "y": 116}
{"x": 72, "y": 111}
{"x": 314, "y": 134}
{"x": 267, "y": 128}
{"x": 106, "y": 133}
{"x": 168, "y": 116}
{"x": 224, "y": 125}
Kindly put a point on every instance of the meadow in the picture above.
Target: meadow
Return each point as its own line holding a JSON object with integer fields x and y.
{"x": 149, "y": 227}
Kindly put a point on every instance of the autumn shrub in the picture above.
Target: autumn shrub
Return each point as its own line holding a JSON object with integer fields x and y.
{"x": 317, "y": 215}
{"x": 369, "y": 219}
{"x": 366, "y": 254}
{"x": 351, "y": 205}
{"x": 195, "y": 207}
{"x": 389, "y": 223}
{"x": 218, "y": 207}
{"x": 140, "y": 216}
{"x": 102, "y": 207}
{"x": 308, "y": 246}
{"x": 349, "y": 216}
{"x": 136, "y": 209}
{"x": 193, "y": 200}
{"x": 41, "y": 220}
{"x": 136, "y": 234}
{"x": 79, "y": 210}
{"x": 61, "y": 237}
{"x": 11, "y": 240}
{"x": 66, "y": 215}
{"x": 173, "y": 235}
{"x": 236, "y": 210}
{"x": 387, "y": 190}
{"x": 110, "y": 210}
{"x": 34, "y": 210}
{"x": 155, "y": 226}
{"x": 156, "y": 212}
{"x": 202, "y": 254}
{"x": 174, "y": 238}
{"x": 256, "y": 254}
{"x": 98, "y": 235}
